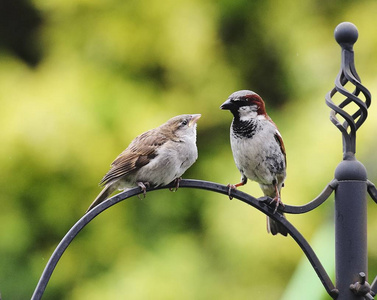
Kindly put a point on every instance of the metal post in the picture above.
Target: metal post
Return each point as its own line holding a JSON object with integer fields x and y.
{"x": 350, "y": 227}
{"x": 351, "y": 259}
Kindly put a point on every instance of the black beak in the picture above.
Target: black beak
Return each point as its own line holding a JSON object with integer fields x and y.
{"x": 228, "y": 105}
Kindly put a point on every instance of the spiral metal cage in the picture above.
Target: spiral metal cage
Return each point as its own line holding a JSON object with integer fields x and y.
{"x": 346, "y": 35}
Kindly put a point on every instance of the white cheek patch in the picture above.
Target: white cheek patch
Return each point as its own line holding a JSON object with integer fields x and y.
{"x": 247, "y": 112}
{"x": 261, "y": 117}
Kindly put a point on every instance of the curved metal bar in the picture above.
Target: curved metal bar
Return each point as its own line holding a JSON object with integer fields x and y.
{"x": 372, "y": 190}
{"x": 373, "y": 286}
{"x": 313, "y": 259}
{"x": 322, "y": 197}
{"x": 200, "y": 184}
{"x": 71, "y": 234}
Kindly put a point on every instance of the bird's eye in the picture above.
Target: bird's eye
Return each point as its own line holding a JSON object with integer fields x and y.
{"x": 184, "y": 122}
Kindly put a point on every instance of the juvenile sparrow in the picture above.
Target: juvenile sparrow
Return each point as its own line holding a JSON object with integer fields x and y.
{"x": 154, "y": 158}
{"x": 257, "y": 147}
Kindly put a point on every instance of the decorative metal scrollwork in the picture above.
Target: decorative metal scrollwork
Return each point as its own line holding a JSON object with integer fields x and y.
{"x": 346, "y": 35}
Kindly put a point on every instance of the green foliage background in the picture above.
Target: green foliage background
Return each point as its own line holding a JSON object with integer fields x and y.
{"x": 111, "y": 70}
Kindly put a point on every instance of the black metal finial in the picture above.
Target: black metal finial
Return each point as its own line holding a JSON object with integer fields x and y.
{"x": 346, "y": 35}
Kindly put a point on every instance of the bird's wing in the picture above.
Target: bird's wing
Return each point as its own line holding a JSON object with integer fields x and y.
{"x": 279, "y": 140}
{"x": 139, "y": 153}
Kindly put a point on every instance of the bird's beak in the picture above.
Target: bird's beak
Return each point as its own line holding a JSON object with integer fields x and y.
{"x": 227, "y": 105}
{"x": 194, "y": 119}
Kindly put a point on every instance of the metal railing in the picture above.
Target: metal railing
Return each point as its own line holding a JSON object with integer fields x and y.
{"x": 350, "y": 185}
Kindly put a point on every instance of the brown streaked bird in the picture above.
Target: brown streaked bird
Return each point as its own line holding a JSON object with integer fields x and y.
{"x": 258, "y": 148}
{"x": 154, "y": 158}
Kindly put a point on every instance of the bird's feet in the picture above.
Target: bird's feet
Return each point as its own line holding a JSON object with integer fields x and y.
{"x": 231, "y": 187}
{"x": 278, "y": 202}
{"x": 143, "y": 186}
{"x": 274, "y": 202}
{"x": 176, "y": 184}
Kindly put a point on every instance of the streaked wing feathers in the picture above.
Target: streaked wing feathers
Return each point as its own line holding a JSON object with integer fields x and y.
{"x": 139, "y": 153}
{"x": 279, "y": 140}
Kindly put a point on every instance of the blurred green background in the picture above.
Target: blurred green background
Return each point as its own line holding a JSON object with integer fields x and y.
{"x": 80, "y": 79}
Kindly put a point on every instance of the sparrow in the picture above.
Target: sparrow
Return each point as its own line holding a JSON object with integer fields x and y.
{"x": 258, "y": 148}
{"x": 154, "y": 158}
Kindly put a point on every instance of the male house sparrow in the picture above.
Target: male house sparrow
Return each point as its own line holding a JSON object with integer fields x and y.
{"x": 154, "y": 158}
{"x": 257, "y": 147}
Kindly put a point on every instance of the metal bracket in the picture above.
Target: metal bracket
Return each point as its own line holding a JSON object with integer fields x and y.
{"x": 362, "y": 287}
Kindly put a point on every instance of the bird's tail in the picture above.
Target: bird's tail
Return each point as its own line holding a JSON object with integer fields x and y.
{"x": 274, "y": 227}
{"x": 102, "y": 196}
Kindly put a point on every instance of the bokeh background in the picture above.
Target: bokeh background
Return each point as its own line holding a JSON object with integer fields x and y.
{"x": 80, "y": 79}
